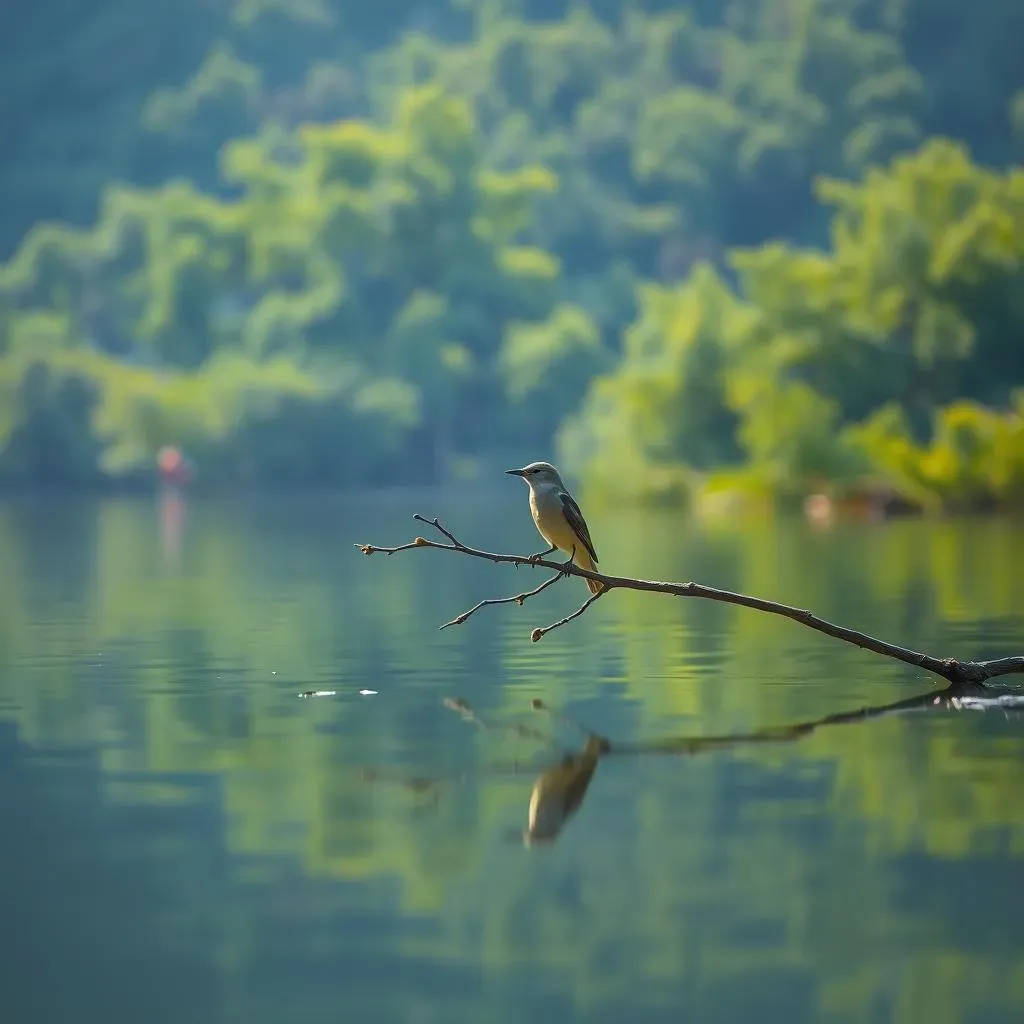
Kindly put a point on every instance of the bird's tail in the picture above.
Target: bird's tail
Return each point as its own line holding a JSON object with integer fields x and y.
{"x": 584, "y": 561}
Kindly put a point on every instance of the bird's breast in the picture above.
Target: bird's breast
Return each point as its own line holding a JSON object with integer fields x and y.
{"x": 549, "y": 516}
{"x": 544, "y": 506}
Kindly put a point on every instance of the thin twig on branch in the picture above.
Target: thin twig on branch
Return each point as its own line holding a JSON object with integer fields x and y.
{"x": 541, "y": 630}
{"x": 951, "y": 669}
{"x": 515, "y": 599}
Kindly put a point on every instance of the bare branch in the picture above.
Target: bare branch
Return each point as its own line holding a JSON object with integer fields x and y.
{"x": 951, "y": 669}
{"x": 515, "y": 599}
{"x": 541, "y": 630}
{"x": 437, "y": 526}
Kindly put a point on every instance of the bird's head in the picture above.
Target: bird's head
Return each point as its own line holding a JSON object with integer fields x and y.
{"x": 538, "y": 474}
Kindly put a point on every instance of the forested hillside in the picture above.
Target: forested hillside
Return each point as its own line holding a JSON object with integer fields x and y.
{"x": 768, "y": 244}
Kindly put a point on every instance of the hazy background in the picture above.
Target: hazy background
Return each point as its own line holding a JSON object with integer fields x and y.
{"x": 354, "y": 259}
{"x": 765, "y": 246}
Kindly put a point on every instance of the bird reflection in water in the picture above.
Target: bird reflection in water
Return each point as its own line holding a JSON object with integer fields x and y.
{"x": 559, "y": 789}
{"x": 558, "y": 792}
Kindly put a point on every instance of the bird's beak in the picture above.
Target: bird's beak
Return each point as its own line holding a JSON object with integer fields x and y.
{"x": 515, "y": 472}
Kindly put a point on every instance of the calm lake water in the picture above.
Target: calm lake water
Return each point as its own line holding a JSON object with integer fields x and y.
{"x": 186, "y": 839}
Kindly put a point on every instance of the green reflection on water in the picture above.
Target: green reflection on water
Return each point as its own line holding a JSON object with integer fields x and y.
{"x": 857, "y": 873}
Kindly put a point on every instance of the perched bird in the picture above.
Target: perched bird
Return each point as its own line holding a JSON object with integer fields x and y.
{"x": 558, "y": 517}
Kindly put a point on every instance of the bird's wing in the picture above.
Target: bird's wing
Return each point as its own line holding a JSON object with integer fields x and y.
{"x": 575, "y": 519}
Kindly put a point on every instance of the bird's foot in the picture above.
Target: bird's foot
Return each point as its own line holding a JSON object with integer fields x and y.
{"x": 535, "y": 558}
{"x": 564, "y": 566}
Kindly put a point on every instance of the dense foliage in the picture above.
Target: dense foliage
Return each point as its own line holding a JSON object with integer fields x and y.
{"x": 839, "y": 367}
{"x": 324, "y": 241}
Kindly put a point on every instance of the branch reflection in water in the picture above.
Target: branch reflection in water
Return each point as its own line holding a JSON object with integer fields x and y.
{"x": 559, "y": 789}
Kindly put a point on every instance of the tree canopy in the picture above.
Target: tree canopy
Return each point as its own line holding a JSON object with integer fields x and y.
{"x": 765, "y": 244}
